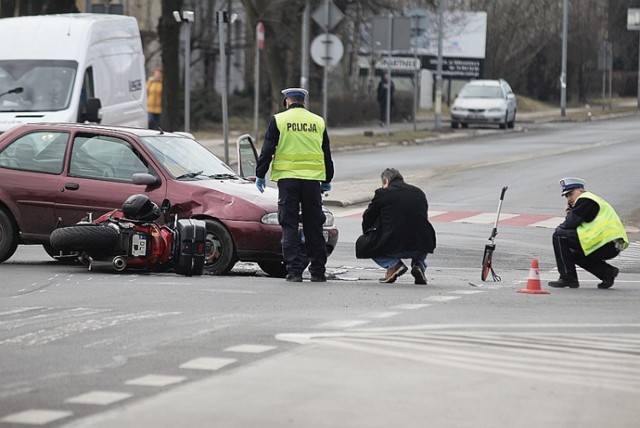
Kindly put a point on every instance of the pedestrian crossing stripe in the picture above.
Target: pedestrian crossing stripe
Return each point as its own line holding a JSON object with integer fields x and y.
{"x": 475, "y": 217}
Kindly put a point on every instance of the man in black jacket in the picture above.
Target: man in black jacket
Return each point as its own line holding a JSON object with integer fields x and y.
{"x": 399, "y": 212}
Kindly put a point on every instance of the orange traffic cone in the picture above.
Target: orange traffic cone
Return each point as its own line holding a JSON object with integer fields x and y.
{"x": 533, "y": 282}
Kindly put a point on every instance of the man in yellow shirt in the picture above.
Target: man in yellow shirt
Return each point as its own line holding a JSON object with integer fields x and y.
{"x": 154, "y": 98}
{"x": 590, "y": 234}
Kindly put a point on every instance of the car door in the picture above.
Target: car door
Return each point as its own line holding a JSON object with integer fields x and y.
{"x": 100, "y": 177}
{"x": 32, "y": 166}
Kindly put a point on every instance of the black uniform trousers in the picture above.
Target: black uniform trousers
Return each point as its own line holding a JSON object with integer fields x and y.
{"x": 295, "y": 195}
{"x": 568, "y": 252}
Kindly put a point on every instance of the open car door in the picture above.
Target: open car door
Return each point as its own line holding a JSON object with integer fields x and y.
{"x": 247, "y": 157}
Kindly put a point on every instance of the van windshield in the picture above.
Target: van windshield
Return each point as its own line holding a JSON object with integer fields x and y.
{"x": 36, "y": 85}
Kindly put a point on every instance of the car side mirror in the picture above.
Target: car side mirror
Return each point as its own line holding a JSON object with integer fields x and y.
{"x": 247, "y": 156}
{"x": 91, "y": 111}
{"x": 145, "y": 179}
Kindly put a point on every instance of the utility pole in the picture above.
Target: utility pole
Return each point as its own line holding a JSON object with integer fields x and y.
{"x": 438, "y": 109}
{"x": 304, "y": 65}
{"x": 563, "y": 73}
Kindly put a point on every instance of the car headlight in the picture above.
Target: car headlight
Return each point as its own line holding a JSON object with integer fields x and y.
{"x": 329, "y": 221}
{"x": 270, "y": 218}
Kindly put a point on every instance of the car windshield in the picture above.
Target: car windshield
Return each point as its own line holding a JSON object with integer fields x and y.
{"x": 477, "y": 91}
{"x": 36, "y": 85}
{"x": 185, "y": 159}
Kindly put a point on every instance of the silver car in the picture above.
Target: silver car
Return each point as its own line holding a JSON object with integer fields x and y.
{"x": 485, "y": 102}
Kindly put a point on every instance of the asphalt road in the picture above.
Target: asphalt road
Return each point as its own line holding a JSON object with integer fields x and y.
{"x": 99, "y": 349}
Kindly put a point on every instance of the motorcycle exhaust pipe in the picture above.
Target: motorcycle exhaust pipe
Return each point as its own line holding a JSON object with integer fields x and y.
{"x": 119, "y": 263}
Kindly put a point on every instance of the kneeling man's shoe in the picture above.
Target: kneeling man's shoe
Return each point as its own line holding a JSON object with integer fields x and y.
{"x": 607, "y": 282}
{"x": 418, "y": 274}
{"x": 561, "y": 283}
{"x": 394, "y": 272}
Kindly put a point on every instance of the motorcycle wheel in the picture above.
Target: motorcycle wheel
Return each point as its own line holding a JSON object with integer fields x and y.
{"x": 486, "y": 263}
{"x": 274, "y": 269}
{"x": 220, "y": 254}
{"x": 92, "y": 238}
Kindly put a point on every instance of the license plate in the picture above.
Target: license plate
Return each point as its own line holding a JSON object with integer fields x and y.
{"x": 139, "y": 245}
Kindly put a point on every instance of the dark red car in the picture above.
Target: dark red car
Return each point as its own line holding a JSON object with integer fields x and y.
{"x": 52, "y": 175}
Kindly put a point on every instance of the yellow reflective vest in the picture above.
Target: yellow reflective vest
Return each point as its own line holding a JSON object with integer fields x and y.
{"x": 606, "y": 227}
{"x": 299, "y": 151}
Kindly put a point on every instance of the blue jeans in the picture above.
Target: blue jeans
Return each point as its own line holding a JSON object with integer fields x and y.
{"x": 388, "y": 261}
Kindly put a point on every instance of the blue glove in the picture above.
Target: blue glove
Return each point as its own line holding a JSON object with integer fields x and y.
{"x": 325, "y": 187}
{"x": 260, "y": 184}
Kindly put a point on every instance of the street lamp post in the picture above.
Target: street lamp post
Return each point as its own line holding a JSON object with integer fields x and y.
{"x": 222, "y": 17}
{"x": 563, "y": 73}
{"x": 186, "y": 17}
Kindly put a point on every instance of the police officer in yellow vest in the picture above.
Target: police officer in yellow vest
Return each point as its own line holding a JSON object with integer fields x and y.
{"x": 296, "y": 145}
{"x": 590, "y": 234}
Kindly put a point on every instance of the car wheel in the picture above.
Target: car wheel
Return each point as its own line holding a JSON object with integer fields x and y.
{"x": 503, "y": 125}
{"x": 512, "y": 123}
{"x": 220, "y": 253}
{"x": 454, "y": 125}
{"x": 93, "y": 238}
{"x": 275, "y": 269}
{"x": 464, "y": 125}
{"x": 8, "y": 236}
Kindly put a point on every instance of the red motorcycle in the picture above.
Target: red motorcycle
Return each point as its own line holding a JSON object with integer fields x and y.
{"x": 131, "y": 238}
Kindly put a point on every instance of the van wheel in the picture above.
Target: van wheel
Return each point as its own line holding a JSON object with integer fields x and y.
{"x": 511, "y": 124}
{"x": 220, "y": 252}
{"x": 8, "y": 236}
{"x": 274, "y": 269}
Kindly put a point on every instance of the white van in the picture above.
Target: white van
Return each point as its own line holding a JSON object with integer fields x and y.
{"x": 72, "y": 68}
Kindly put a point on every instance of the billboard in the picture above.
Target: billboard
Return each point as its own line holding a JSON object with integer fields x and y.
{"x": 463, "y": 43}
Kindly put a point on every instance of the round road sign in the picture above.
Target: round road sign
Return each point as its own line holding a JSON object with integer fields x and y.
{"x": 327, "y": 50}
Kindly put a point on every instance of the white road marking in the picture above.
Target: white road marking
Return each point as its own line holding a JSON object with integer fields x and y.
{"x": 550, "y": 223}
{"x": 466, "y": 291}
{"x": 381, "y": 314}
{"x": 36, "y": 416}
{"x": 155, "y": 380}
{"x": 410, "y": 306}
{"x": 208, "y": 363}
{"x": 101, "y": 398}
{"x": 484, "y": 218}
{"x": 250, "y": 349}
{"x": 343, "y": 324}
{"x": 440, "y": 298}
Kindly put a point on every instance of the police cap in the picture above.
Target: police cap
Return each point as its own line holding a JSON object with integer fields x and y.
{"x": 570, "y": 183}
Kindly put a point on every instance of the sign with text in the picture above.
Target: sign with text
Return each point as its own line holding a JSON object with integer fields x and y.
{"x": 456, "y": 68}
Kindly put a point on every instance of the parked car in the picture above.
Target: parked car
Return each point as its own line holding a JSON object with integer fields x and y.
{"x": 53, "y": 175}
{"x": 485, "y": 102}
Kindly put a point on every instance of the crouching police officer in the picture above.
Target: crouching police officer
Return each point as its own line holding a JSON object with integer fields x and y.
{"x": 590, "y": 234}
{"x": 296, "y": 145}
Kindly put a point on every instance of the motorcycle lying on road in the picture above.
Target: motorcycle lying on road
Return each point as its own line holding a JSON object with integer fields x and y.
{"x": 131, "y": 238}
